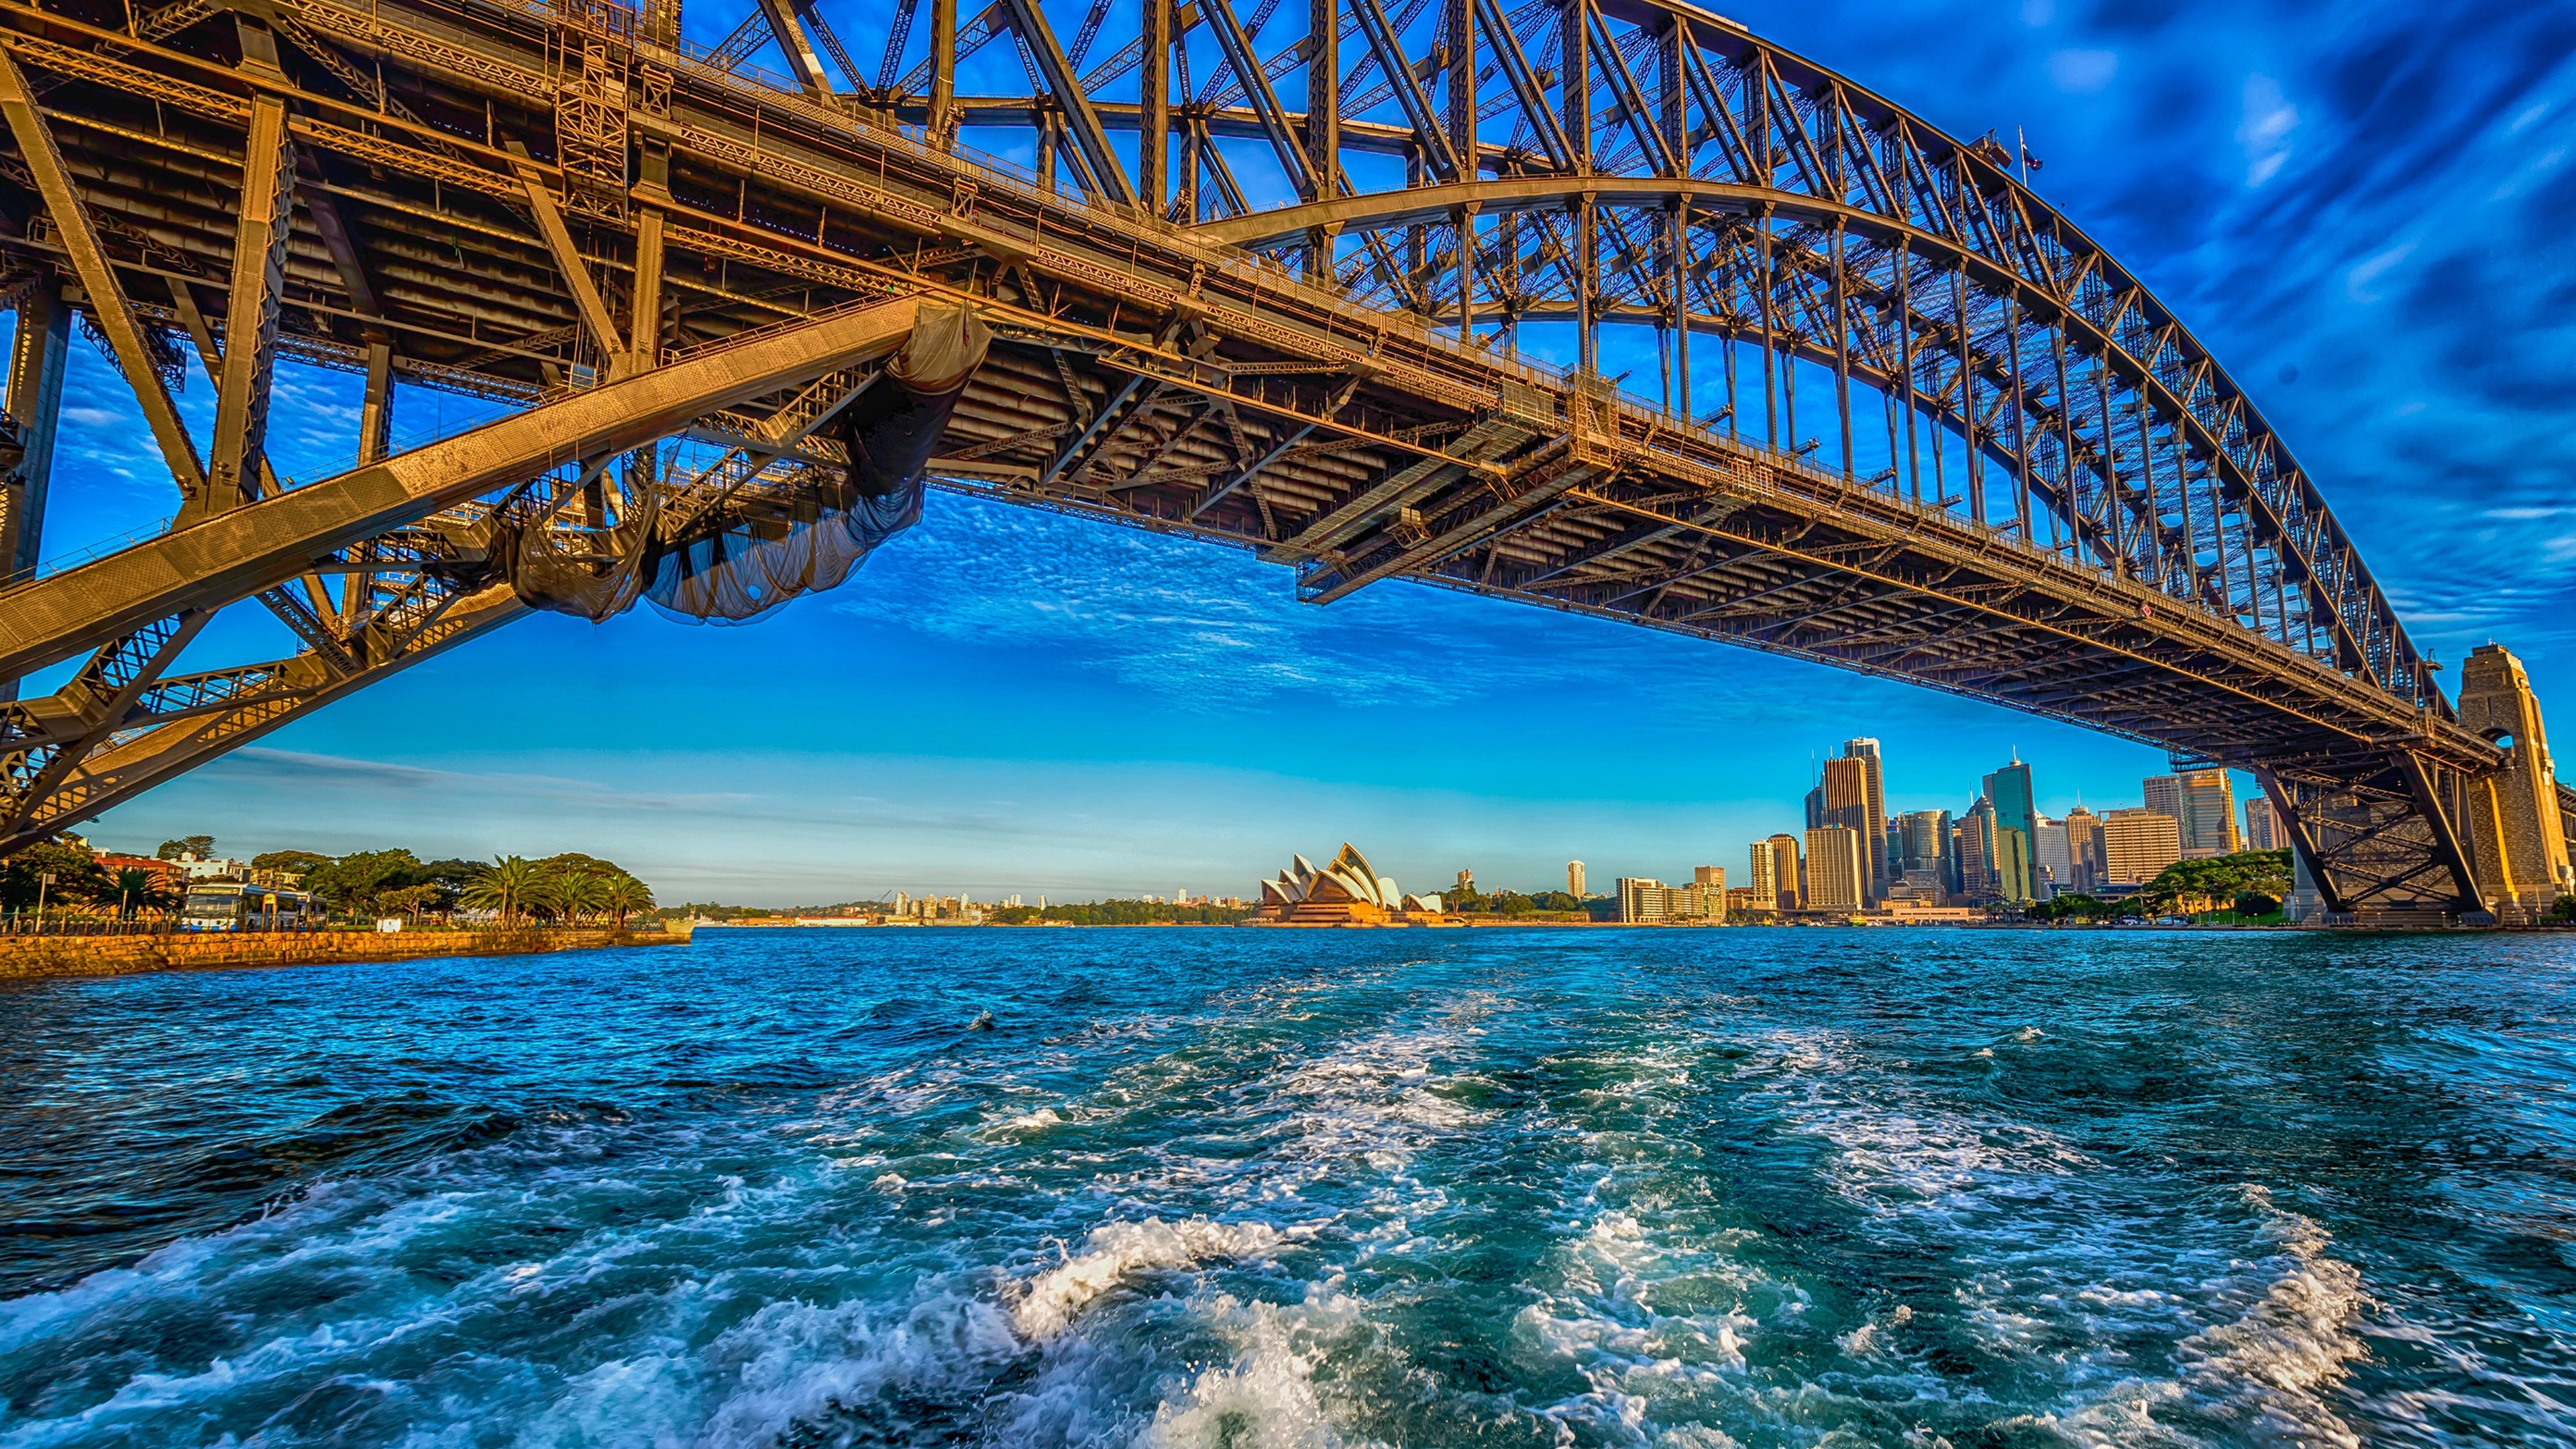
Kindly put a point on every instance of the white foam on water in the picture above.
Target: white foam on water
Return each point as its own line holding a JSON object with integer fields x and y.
{"x": 1049, "y": 1302}
{"x": 1265, "y": 1398}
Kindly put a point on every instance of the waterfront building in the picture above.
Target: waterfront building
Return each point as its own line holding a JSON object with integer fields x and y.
{"x": 1873, "y": 822}
{"x": 1919, "y": 887}
{"x": 2137, "y": 844}
{"x": 1837, "y": 871}
{"x": 1745, "y": 898}
{"x": 1574, "y": 879}
{"x": 1647, "y": 902}
{"x": 2208, "y": 813}
{"x": 1347, "y": 892}
{"x": 1788, "y": 872}
{"x": 1763, "y": 880}
{"x": 1847, "y": 804}
{"x": 2262, "y": 828}
{"x": 1709, "y": 875}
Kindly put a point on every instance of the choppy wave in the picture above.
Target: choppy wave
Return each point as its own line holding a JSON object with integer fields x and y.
{"x": 1687, "y": 1191}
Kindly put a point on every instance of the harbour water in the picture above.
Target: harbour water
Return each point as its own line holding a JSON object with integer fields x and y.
{"x": 1235, "y": 1188}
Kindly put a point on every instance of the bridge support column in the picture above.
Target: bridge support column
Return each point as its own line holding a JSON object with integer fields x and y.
{"x": 2381, "y": 839}
{"x": 2515, "y": 824}
{"x": 35, "y": 407}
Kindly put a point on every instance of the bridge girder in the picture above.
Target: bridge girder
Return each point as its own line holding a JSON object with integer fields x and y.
{"x": 490, "y": 194}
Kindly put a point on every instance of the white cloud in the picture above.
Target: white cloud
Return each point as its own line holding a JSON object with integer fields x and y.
{"x": 2083, "y": 72}
{"x": 2358, "y": 282}
{"x": 2269, "y": 121}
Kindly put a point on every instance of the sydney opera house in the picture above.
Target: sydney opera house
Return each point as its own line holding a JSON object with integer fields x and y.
{"x": 1348, "y": 892}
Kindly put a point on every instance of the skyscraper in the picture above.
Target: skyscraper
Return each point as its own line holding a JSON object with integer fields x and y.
{"x": 1762, "y": 880}
{"x": 2084, "y": 847}
{"x": 1873, "y": 828}
{"x": 2262, "y": 827}
{"x": 2009, "y": 789}
{"x": 2208, "y": 817}
{"x": 1847, "y": 790}
{"x": 2054, "y": 853}
{"x": 2164, "y": 795}
{"x": 1788, "y": 872}
{"x": 2014, "y": 880}
{"x": 1973, "y": 844}
{"x": 1836, "y": 872}
{"x": 1574, "y": 879}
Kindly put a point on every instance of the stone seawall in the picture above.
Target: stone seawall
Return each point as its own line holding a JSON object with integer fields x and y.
{"x": 27, "y": 957}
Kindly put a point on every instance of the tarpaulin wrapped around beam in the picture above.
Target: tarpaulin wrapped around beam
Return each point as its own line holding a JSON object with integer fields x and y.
{"x": 891, "y": 431}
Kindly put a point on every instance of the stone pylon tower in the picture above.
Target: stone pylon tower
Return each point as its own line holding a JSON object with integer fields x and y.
{"x": 2514, "y": 823}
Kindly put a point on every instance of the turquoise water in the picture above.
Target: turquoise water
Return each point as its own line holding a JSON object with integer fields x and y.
{"x": 1234, "y": 1188}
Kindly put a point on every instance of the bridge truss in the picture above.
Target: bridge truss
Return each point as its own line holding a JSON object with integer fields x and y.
{"x": 1307, "y": 331}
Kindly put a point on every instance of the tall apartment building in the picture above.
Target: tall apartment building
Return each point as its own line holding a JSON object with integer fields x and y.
{"x": 2208, "y": 814}
{"x": 2262, "y": 828}
{"x": 1788, "y": 872}
{"x": 1873, "y": 822}
{"x": 1574, "y": 879}
{"x": 1709, "y": 875}
{"x": 2137, "y": 844}
{"x": 1837, "y": 871}
{"x": 1762, "y": 880}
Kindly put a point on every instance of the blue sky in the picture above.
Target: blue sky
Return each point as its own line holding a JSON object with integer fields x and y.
{"x": 2367, "y": 210}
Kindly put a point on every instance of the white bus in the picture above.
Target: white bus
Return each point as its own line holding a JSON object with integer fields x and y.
{"x": 228, "y": 905}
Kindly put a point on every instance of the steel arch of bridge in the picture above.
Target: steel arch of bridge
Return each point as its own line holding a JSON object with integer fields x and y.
{"x": 2030, "y": 484}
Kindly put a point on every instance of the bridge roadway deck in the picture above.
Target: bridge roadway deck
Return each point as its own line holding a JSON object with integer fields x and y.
{"x": 1144, "y": 375}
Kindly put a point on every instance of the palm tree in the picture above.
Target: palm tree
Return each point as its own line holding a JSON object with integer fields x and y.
{"x": 628, "y": 896}
{"x": 581, "y": 893}
{"x": 504, "y": 886}
{"x": 134, "y": 889}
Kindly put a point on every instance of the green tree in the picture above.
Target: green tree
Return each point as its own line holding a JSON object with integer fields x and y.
{"x": 77, "y": 876}
{"x": 296, "y": 863}
{"x": 355, "y": 884}
{"x": 134, "y": 889}
{"x": 200, "y": 846}
{"x": 2257, "y": 903}
{"x": 412, "y": 899}
{"x": 628, "y": 896}
{"x": 503, "y": 887}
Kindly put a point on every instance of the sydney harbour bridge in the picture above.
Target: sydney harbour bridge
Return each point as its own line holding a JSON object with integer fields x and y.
{"x": 1269, "y": 275}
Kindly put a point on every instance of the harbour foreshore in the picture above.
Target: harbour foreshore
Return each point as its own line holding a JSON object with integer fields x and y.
{"x": 24, "y": 958}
